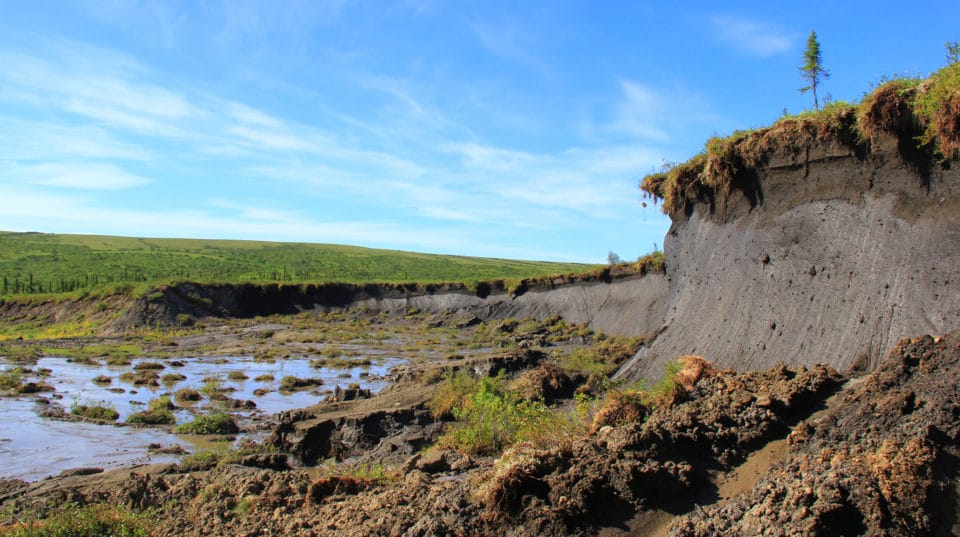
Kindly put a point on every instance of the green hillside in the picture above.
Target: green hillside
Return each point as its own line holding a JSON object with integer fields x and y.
{"x": 53, "y": 263}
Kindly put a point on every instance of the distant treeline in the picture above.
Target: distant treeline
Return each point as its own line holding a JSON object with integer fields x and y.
{"x": 47, "y": 263}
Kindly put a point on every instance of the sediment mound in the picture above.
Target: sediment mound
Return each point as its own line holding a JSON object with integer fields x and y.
{"x": 883, "y": 461}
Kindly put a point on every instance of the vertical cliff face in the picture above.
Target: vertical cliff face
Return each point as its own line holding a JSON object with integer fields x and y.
{"x": 824, "y": 252}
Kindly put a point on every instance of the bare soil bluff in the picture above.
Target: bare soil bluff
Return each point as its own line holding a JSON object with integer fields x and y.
{"x": 826, "y": 253}
{"x": 619, "y": 300}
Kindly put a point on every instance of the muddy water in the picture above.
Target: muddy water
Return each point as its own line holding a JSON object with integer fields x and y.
{"x": 32, "y": 447}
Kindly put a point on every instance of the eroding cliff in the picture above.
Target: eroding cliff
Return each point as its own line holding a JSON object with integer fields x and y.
{"x": 808, "y": 242}
{"x": 624, "y": 300}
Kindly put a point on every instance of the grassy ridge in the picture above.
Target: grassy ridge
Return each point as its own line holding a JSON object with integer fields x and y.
{"x": 54, "y": 263}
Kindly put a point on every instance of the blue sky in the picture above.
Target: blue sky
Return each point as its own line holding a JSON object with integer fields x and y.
{"x": 501, "y": 129}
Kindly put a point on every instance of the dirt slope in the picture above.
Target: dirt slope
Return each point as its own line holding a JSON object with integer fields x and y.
{"x": 883, "y": 461}
{"x": 830, "y": 256}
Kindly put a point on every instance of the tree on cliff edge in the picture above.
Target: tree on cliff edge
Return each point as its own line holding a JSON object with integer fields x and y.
{"x": 812, "y": 69}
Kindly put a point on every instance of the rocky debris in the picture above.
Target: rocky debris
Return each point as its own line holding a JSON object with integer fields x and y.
{"x": 438, "y": 461}
{"x": 350, "y": 393}
{"x": 80, "y": 471}
{"x": 313, "y": 439}
{"x": 268, "y": 461}
{"x": 396, "y": 422}
{"x": 507, "y": 363}
{"x": 882, "y": 461}
{"x": 238, "y": 404}
{"x": 575, "y": 489}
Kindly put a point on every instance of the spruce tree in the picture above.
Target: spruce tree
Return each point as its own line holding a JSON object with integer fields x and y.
{"x": 812, "y": 69}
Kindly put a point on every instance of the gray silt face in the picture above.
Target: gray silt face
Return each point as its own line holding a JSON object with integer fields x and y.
{"x": 840, "y": 260}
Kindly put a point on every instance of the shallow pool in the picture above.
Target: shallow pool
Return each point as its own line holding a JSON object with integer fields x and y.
{"x": 32, "y": 447}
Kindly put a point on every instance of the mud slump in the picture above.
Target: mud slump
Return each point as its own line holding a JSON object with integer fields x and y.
{"x": 33, "y": 446}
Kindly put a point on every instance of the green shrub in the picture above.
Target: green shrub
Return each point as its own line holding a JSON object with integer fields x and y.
{"x": 667, "y": 384}
{"x": 493, "y": 419}
{"x": 602, "y": 359}
{"x": 237, "y": 375}
{"x": 336, "y": 362}
{"x": 161, "y": 403}
{"x": 452, "y": 393}
{"x": 560, "y": 427}
{"x": 99, "y": 412}
{"x": 19, "y": 353}
{"x": 208, "y": 458}
{"x": 99, "y": 520}
{"x": 159, "y": 412}
{"x": 652, "y": 262}
{"x": 210, "y": 424}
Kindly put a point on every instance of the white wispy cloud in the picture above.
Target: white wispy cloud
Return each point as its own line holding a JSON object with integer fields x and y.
{"x": 753, "y": 37}
{"x": 39, "y": 140}
{"x": 79, "y": 175}
{"x": 507, "y": 40}
{"x": 255, "y": 212}
{"x": 593, "y": 182}
{"x": 641, "y": 112}
{"x": 650, "y": 116}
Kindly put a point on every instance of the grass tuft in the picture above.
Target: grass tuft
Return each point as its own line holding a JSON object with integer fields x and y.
{"x": 209, "y": 424}
{"x": 97, "y": 412}
{"x": 99, "y": 520}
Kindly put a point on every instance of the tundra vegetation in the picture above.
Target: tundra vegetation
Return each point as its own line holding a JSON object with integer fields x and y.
{"x": 99, "y": 266}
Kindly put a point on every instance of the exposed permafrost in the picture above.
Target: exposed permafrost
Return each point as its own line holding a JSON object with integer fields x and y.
{"x": 844, "y": 255}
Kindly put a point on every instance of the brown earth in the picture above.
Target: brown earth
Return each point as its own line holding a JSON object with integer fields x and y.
{"x": 882, "y": 461}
